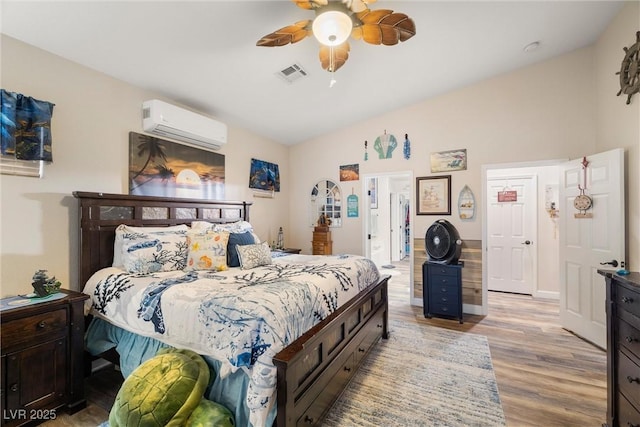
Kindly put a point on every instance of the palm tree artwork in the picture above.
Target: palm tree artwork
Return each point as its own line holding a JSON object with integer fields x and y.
{"x": 159, "y": 167}
{"x": 153, "y": 149}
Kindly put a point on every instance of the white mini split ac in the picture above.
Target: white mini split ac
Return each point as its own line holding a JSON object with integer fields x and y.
{"x": 163, "y": 119}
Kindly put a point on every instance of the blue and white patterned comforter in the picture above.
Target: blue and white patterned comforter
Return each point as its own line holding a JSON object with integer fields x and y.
{"x": 242, "y": 317}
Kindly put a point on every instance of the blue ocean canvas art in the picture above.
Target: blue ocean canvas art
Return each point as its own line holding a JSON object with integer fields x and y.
{"x": 264, "y": 176}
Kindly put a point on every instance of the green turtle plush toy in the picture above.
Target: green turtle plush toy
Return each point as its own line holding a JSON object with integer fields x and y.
{"x": 167, "y": 390}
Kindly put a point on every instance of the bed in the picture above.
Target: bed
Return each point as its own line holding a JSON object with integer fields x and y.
{"x": 295, "y": 385}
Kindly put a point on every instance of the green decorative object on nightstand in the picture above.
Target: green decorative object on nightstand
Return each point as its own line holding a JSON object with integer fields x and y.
{"x": 43, "y": 285}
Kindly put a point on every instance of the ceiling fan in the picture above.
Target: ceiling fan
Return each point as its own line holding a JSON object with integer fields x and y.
{"x": 335, "y": 21}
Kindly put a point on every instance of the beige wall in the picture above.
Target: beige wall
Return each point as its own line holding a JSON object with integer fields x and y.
{"x": 618, "y": 124}
{"x": 92, "y": 119}
{"x": 563, "y": 108}
{"x": 537, "y": 113}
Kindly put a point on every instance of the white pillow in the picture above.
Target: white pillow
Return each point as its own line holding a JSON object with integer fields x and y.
{"x": 252, "y": 256}
{"x": 230, "y": 227}
{"x": 128, "y": 230}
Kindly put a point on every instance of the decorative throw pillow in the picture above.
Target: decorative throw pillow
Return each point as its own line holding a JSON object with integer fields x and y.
{"x": 127, "y": 229}
{"x": 207, "y": 250}
{"x": 230, "y": 227}
{"x": 252, "y": 256}
{"x": 235, "y": 240}
{"x": 144, "y": 253}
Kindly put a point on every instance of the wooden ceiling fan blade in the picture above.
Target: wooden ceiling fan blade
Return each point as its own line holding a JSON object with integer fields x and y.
{"x": 289, "y": 34}
{"x": 386, "y": 28}
{"x": 373, "y": 16}
{"x": 406, "y": 28}
{"x": 340, "y": 56}
{"x": 310, "y": 4}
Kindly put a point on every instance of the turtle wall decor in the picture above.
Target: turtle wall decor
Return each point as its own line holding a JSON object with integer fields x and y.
{"x": 630, "y": 70}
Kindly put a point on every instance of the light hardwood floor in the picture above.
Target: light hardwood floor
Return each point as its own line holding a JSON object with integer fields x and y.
{"x": 546, "y": 376}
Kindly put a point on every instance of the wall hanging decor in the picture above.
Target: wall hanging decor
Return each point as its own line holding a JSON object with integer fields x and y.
{"x": 583, "y": 202}
{"x": 25, "y": 128}
{"x": 406, "y": 149}
{"x": 158, "y": 167}
{"x": 433, "y": 195}
{"x": 446, "y": 161}
{"x": 264, "y": 178}
{"x": 630, "y": 70}
{"x": 352, "y": 205}
{"x": 366, "y": 155}
{"x": 350, "y": 172}
{"x": 466, "y": 203}
{"x": 384, "y": 145}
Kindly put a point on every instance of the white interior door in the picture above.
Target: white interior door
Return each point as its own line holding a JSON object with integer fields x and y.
{"x": 511, "y": 235}
{"x": 587, "y": 243}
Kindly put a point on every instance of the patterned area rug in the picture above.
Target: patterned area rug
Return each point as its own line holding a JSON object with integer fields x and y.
{"x": 422, "y": 376}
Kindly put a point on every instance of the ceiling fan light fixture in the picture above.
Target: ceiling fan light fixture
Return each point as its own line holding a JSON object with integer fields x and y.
{"x": 332, "y": 27}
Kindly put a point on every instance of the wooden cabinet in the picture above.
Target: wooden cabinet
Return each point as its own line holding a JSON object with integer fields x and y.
{"x": 442, "y": 290}
{"x": 623, "y": 349}
{"x": 321, "y": 241}
{"x": 42, "y": 359}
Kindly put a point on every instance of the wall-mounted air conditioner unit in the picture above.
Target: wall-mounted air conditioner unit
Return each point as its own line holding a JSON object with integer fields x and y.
{"x": 163, "y": 119}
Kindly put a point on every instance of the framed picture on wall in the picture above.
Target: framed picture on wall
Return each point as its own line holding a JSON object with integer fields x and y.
{"x": 433, "y": 195}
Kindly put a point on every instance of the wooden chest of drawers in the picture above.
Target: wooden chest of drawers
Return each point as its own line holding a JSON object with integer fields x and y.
{"x": 321, "y": 241}
{"x": 623, "y": 349}
{"x": 42, "y": 359}
{"x": 442, "y": 290}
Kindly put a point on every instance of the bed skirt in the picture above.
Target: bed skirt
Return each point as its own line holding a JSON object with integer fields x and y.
{"x": 134, "y": 349}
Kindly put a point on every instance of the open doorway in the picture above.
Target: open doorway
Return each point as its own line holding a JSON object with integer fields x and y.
{"x": 387, "y": 219}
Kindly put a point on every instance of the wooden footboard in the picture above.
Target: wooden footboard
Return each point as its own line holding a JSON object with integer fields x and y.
{"x": 315, "y": 369}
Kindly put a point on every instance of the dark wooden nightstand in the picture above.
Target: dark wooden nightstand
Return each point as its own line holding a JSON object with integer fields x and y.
{"x": 288, "y": 250}
{"x": 42, "y": 359}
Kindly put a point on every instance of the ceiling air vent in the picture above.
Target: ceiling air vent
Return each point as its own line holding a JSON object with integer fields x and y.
{"x": 292, "y": 73}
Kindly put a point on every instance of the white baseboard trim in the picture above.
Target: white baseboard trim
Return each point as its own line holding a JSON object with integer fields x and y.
{"x": 472, "y": 309}
{"x": 547, "y": 295}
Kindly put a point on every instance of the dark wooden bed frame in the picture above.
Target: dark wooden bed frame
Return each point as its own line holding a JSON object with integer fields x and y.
{"x": 312, "y": 371}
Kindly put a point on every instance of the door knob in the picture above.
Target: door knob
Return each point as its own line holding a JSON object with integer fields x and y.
{"x": 612, "y": 263}
{"x": 527, "y": 242}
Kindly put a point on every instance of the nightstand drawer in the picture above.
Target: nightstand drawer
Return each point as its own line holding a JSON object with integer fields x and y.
{"x": 627, "y": 414}
{"x": 443, "y": 270}
{"x": 321, "y": 236}
{"x": 629, "y": 378}
{"x": 438, "y": 280}
{"x": 628, "y": 300}
{"x": 629, "y": 337}
{"x": 44, "y": 325}
{"x": 445, "y": 309}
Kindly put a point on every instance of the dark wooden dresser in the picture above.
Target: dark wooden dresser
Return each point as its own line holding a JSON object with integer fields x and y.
{"x": 623, "y": 349}
{"x": 442, "y": 290}
{"x": 42, "y": 359}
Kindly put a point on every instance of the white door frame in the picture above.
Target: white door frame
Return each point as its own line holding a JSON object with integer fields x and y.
{"x": 484, "y": 309}
{"x": 366, "y": 212}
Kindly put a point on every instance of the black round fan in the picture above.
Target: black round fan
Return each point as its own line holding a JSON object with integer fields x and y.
{"x": 443, "y": 243}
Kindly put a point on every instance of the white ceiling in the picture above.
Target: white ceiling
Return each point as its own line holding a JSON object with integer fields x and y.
{"x": 203, "y": 54}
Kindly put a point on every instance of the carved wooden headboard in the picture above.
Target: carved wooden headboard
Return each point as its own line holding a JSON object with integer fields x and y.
{"x": 101, "y": 213}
